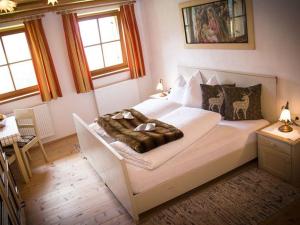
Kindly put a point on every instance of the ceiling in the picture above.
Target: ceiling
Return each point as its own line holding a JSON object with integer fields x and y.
{"x": 45, "y": 2}
{"x": 34, "y": 7}
{"x": 25, "y": 1}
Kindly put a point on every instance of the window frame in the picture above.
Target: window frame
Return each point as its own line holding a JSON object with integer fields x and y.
{"x": 103, "y": 72}
{"x": 20, "y": 93}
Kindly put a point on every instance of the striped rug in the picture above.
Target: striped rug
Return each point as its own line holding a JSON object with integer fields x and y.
{"x": 247, "y": 196}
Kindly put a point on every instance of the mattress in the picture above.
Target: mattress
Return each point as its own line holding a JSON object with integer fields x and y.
{"x": 225, "y": 138}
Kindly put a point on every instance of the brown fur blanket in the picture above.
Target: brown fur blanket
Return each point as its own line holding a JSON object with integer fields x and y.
{"x": 140, "y": 141}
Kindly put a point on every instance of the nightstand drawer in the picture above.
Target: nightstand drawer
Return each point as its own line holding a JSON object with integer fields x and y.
{"x": 274, "y": 144}
{"x": 277, "y": 163}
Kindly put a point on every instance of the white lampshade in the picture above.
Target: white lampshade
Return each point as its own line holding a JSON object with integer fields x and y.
{"x": 285, "y": 115}
{"x": 160, "y": 86}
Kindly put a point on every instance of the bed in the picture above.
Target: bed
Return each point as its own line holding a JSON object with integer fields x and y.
{"x": 225, "y": 147}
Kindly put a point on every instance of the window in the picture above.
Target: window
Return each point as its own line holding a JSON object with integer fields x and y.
{"x": 17, "y": 75}
{"x": 103, "y": 43}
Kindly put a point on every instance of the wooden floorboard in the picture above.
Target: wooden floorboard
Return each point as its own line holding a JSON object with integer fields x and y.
{"x": 67, "y": 191}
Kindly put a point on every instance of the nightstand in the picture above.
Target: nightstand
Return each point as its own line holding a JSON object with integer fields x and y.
{"x": 158, "y": 96}
{"x": 279, "y": 153}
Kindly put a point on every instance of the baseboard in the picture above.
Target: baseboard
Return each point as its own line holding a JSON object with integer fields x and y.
{"x": 59, "y": 139}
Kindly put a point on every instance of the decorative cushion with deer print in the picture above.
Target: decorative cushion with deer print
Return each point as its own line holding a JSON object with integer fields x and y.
{"x": 243, "y": 103}
{"x": 213, "y": 97}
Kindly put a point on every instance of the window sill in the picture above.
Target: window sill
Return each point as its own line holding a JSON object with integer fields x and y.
{"x": 19, "y": 97}
{"x": 110, "y": 73}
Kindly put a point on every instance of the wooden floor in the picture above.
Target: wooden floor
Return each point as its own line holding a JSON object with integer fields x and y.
{"x": 67, "y": 191}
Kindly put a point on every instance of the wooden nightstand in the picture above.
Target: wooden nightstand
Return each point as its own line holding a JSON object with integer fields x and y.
{"x": 158, "y": 96}
{"x": 279, "y": 153}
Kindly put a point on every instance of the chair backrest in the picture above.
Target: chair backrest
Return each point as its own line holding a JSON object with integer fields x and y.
{"x": 26, "y": 117}
{"x": 24, "y": 114}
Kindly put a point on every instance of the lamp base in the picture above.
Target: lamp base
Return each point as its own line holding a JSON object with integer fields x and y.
{"x": 285, "y": 128}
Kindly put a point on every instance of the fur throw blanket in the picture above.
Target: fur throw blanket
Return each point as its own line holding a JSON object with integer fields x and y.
{"x": 140, "y": 141}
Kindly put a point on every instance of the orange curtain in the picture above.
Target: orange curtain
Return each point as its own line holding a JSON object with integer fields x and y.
{"x": 81, "y": 73}
{"x": 133, "y": 42}
{"x": 42, "y": 61}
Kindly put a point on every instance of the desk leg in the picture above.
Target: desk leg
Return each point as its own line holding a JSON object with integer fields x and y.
{"x": 21, "y": 163}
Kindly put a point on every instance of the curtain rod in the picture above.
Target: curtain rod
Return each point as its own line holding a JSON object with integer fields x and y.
{"x": 33, "y": 17}
{"x": 73, "y": 9}
{"x": 22, "y": 18}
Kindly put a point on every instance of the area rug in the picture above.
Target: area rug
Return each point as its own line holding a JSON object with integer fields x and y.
{"x": 245, "y": 197}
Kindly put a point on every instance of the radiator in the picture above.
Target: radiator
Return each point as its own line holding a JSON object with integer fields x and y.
{"x": 43, "y": 120}
{"x": 117, "y": 96}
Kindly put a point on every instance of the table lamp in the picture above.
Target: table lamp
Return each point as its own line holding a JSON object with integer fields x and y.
{"x": 285, "y": 117}
{"x": 160, "y": 87}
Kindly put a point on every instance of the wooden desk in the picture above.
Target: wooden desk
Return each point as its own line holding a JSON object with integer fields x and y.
{"x": 9, "y": 135}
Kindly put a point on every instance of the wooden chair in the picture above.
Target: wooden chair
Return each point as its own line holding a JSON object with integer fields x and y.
{"x": 26, "y": 119}
{"x": 11, "y": 204}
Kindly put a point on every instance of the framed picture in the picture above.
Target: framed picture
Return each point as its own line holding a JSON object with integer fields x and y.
{"x": 218, "y": 24}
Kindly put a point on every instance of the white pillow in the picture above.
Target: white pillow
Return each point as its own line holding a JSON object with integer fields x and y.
{"x": 193, "y": 95}
{"x": 212, "y": 81}
{"x": 177, "y": 91}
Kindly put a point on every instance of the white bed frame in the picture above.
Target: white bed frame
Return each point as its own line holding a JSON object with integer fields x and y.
{"x": 112, "y": 168}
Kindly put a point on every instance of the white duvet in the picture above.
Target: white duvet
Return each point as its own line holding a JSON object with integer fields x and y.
{"x": 193, "y": 122}
{"x": 156, "y": 108}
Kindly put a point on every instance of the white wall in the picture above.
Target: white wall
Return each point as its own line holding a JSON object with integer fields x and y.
{"x": 71, "y": 102}
{"x": 277, "y": 37}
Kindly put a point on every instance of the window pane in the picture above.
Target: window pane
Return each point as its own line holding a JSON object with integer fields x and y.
{"x": 16, "y": 47}
{"x": 23, "y": 74}
{"x": 89, "y": 32}
{"x": 2, "y": 56}
{"x": 6, "y": 84}
{"x": 109, "y": 28}
{"x": 94, "y": 57}
{"x": 112, "y": 53}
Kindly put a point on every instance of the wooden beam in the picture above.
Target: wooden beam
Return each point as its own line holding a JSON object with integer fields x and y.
{"x": 27, "y": 9}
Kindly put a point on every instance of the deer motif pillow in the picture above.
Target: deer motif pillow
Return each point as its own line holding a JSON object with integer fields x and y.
{"x": 213, "y": 97}
{"x": 243, "y": 103}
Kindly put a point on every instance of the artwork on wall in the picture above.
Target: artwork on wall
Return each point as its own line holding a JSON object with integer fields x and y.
{"x": 218, "y": 24}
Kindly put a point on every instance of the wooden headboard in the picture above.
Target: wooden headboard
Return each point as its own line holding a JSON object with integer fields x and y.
{"x": 269, "y": 85}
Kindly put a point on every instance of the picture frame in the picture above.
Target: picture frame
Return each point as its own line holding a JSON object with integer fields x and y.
{"x": 217, "y": 24}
